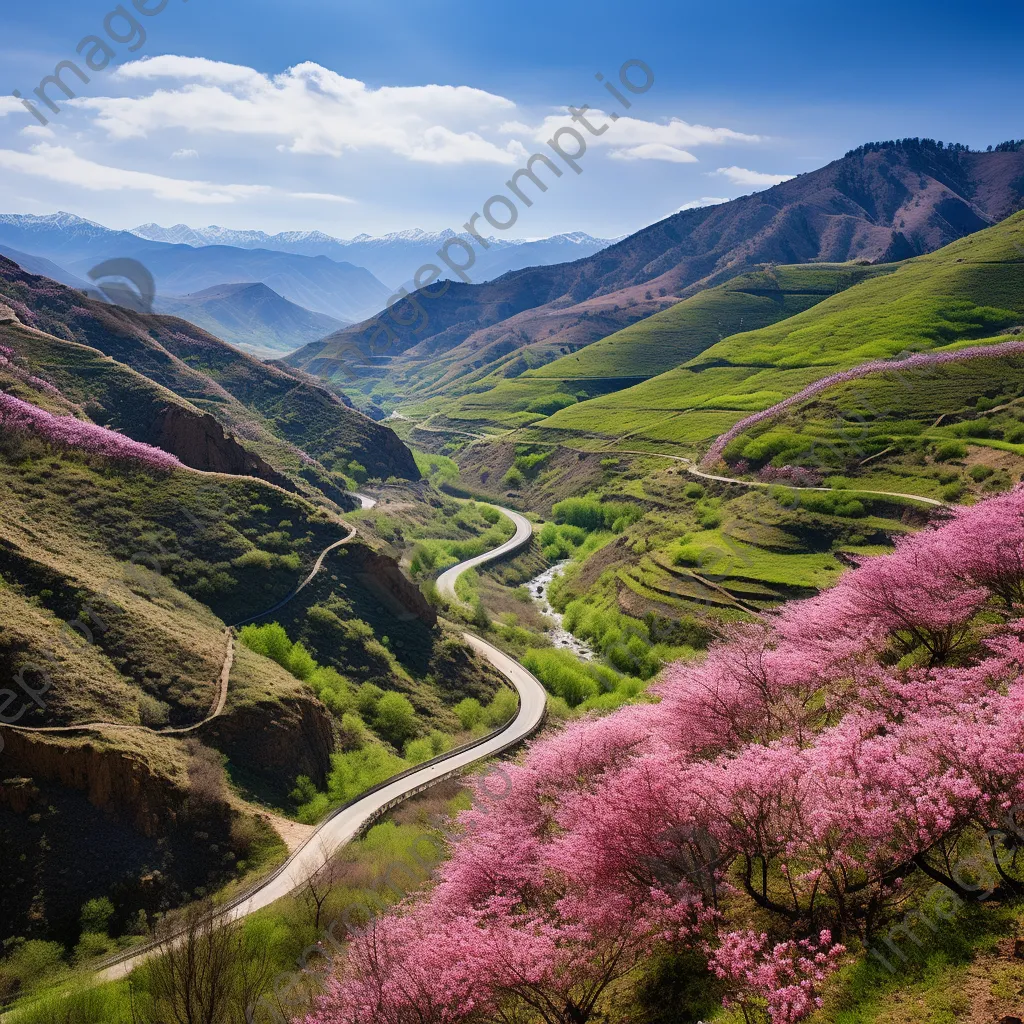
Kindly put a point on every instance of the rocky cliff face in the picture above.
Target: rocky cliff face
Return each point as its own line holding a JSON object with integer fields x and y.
{"x": 276, "y": 741}
{"x": 201, "y": 442}
{"x": 118, "y": 781}
{"x": 383, "y": 578}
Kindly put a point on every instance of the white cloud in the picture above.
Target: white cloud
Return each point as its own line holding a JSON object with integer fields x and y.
{"x": 38, "y": 131}
{"x": 325, "y": 197}
{"x": 199, "y": 68}
{"x": 63, "y": 165}
{"x": 514, "y": 128}
{"x": 654, "y": 151}
{"x": 631, "y": 138}
{"x": 185, "y": 154}
{"x": 697, "y": 204}
{"x": 306, "y": 109}
{"x": 10, "y": 105}
{"x": 741, "y": 176}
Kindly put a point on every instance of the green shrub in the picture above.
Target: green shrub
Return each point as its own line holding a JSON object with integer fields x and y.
{"x": 979, "y": 473}
{"x": 480, "y": 617}
{"x": 562, "y": 675}
{"x": 708, "y": 517}
{"x": 96, "y": 914}
{"x": 270, "y": 640}
{"x": 92, "y": 946}
{"x": 470, "y": 712}
{"x": 953, "y": 492}
{"x": 255, "y": 559}
{"x": 502, "y": 708}
{"x": 301, "y": 663}
{"x": 427, "y": 747}
{"x": 276, "y": 541}
{"x": 514, "y": 478}
{"x": 949, "y": 450}
{"x": 688, "y": 554}
{"x": 352, "y": 773}
{"x": 590, "y": 514}
{"x": 152, "y": 712}
{"x": 367, "y": 698}
{"x": 586, "y": 513}
{"x": 395, "y": 718}
{"x": 529, "y": 465}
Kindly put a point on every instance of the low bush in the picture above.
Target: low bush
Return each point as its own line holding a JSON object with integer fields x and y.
{"x": 947, "y": 451}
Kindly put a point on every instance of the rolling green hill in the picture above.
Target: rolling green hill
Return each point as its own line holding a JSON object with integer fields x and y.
{"x": 967, "y": 292}
{"x": 654, "y": 345}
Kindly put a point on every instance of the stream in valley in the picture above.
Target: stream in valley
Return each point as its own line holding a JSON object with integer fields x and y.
{"x": 559, "y": 635}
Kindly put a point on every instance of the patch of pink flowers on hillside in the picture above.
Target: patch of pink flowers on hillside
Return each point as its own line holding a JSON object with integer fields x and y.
{"x": 914, "y": 362}
{"x": 67, "y": 432}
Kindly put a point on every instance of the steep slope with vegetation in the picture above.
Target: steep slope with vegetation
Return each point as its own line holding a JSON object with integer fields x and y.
{"x": 118, "y": 571}
{"x": 263, "y": 405}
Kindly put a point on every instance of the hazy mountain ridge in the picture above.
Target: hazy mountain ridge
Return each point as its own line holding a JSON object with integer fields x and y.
{"x": 338, "y": 289}
{"x": 251, "y": 316}
{"x": 393, "y": 257}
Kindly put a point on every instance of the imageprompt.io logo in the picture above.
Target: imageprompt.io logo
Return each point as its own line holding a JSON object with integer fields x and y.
{"x": 125, "y": 282}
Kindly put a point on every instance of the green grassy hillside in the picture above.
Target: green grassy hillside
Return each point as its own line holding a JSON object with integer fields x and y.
{"x": 967, "y": 292}
{"x": 954, "y": 432}
{"x": 520, "y": 392}
{"x": 682, "y": 332}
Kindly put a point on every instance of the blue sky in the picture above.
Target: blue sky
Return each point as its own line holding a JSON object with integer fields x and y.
{"x": 300, "y": 114}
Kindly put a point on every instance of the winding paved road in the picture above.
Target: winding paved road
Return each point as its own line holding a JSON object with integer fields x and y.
{"x": 524, "y": 531}
{"x": 347, "y": 822}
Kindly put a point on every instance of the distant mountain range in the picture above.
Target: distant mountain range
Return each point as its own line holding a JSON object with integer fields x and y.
{"x": 318, "y": 283}
{"x": 392, "y": 258}
{"x": 251, "y": 316}
{"x": 880, "y": 203}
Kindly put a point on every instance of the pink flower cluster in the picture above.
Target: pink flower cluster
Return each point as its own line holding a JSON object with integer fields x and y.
{"x": 783, "y": 976}
{"x": 914, "y": 362}
{"x": 797, "y": 769}
{"x": 67, "y": 432}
